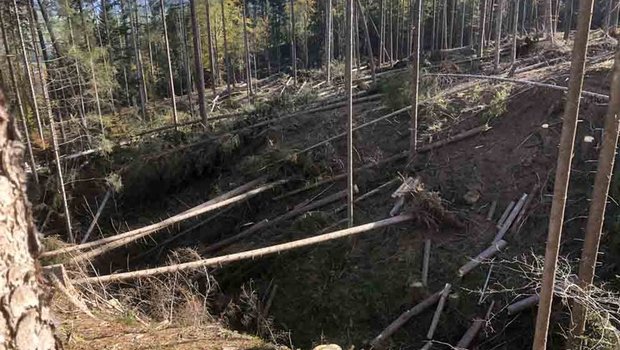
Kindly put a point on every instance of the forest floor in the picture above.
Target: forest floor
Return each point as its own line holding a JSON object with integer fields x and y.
{"x": 347, "y": 291}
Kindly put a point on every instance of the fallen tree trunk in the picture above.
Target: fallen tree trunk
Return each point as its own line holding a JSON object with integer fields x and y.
{"x": 517, "y": 81}
{"x": 403, "y": 318}
{"x": 440, "y": 305}
{"x": 156, "y": 226}
{"x": 268, "y": 223}
{"x": 177, "y": 218}
{"x": 474, "y": 329}
{"x": 404, "y": 154}
{"x": 485, "y": 255}
{"x": 250, "y": 254}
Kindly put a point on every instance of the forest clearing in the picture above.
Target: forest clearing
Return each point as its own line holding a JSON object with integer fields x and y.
{"x": 303, "y": 174}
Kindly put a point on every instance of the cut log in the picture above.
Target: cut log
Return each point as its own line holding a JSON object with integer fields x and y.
{"x": 492, "y": 210}
{"x": 474, "y": 329}
{"x": 403, "y": 318}
{"x": 438, "y": 311}
{"x": 523, "y": 304}
{"x": 250, "y": 254}
{"x": 485, "y": 255}
{"x": 505, "y": 214}
{"x": 521, "y": 218}
{"x": 426, "y": 261}
{"x": 508, "y": 222}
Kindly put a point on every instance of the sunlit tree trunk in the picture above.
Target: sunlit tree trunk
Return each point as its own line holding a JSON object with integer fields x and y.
{"x": 481, "y": 26}
{"x": 562, "y": 172}
{"x": 212, "y": 59}
{"x": 226, "y": 54}
{"x": 515, "y": 23}
{"x": 18, "y": 99}
{"x": 175, "y": 117}
{"x": 415, "y": 69}
{"x": 498, "y": 34}
{"x": 246, "y": 45}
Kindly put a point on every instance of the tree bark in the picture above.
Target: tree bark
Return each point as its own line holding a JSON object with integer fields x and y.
{"x": 368, "y": 42}
{"x": 498, "y": 34}
{"x": 226, "y": 56}
{"x": 562, "y": 173}
{"x": 25, "y": 322}
{"x": 200, "y": 76}
{"x": 349, "y": 88}
{"x": 212, "y": 62}
{"x": 415, "y": 71}
{"x": 568, "y": 18}
{"x": 293, "y": 43}
{"x": 328, "y": 40}
{"x": 604, "y": 172}
{"x": 26, "y": 61}
{"x": 481, "y": 25}
{"x": 248, "y": 71}
{"x": 175, "y": 117}
{"x": 515, "y": 23}
{"x": 18, "y": 99}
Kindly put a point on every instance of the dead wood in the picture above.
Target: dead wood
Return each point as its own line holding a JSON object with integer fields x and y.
{"x": 250, "y": 254}
{"x": 518, "y": 81}
{"x": 440, "y": 305}
{"x": 476, "y": 325}
{"x": 268, "y": 223}
{"x": 156, "y": 226}
{"x": 509, "y": 220}
{"x": 403, "y": 318}
{"x": 488, "y": 253}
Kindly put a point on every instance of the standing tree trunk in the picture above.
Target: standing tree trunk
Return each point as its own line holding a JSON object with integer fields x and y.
{"x": 381, "y": 31}
{"x": 368, "y": 43}
{"x": 26, "y": 60}
{"x": 600, "y": 191}
{"x": 328, "y": 41}
{"x": 462, "y": 35}
{"x": 348, "y": 85}
{"x": 515, "y": 22}
{"x": 568, "y": 18}
{"x": 226, "y": 55}
{"x": 293, "y": 44}
{"x": 26, "y": 321}
{"x": 200, "y": 76}
{"x": 175, "y": 117}
{"x": 481, "y": 25}
{"x": 562, "y": 173}
{"x": 18, "y": 99}
{"x": 434, "y": 36}
{"x": 248, "y": 71}
{"x": 548, "y": 20}
{"x": 498, "y": 34}
{"x": 211, "y": 50}
{"x": 93, "y": 75}
{"x": 138, "y": 57}
{"x": 415, "y": 69}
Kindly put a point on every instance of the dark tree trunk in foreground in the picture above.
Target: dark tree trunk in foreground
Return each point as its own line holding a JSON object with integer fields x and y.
{"x": 25, "y": 321}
